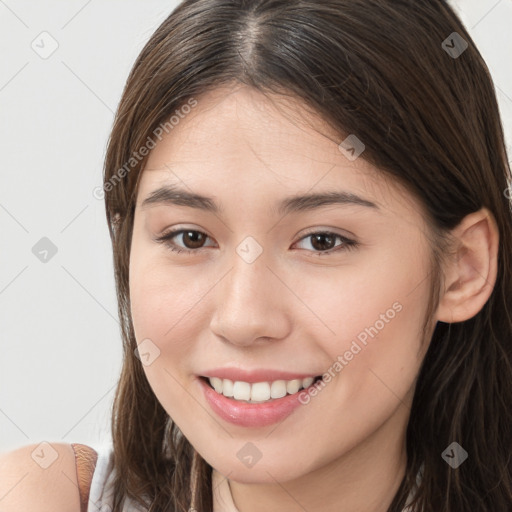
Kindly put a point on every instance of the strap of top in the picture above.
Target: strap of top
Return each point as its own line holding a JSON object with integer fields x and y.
{"x": 85, "y": 458}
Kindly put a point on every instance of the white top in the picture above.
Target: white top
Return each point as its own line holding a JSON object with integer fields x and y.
{"x": 101, "y": 491}
{"x": 101, "y": 499}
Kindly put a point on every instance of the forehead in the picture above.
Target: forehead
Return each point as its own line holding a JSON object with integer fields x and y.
{"x": 239, "y": 120}
{"x": 238, "y": 141}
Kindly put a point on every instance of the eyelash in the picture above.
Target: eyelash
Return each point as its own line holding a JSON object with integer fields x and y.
{"x": 347, "y": 245}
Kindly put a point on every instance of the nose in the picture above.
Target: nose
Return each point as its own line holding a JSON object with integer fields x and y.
{"x": 251, "y": 304}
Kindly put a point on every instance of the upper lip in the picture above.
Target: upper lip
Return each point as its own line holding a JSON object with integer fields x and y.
{"x": 256, "y": 375}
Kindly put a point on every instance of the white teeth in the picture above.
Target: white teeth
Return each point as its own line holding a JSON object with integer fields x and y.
{"x": 241, "y": 390}
{"x": 259, "y": 391}
{"x": 217, "y": 384}
{"x": 307, "y": 382}
{"x": 227, "y": 387}
{"x": 292, "y": 386}
{"x": 278, "y": 389}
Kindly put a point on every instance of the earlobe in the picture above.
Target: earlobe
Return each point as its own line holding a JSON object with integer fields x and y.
{"x": 470, "y": 272}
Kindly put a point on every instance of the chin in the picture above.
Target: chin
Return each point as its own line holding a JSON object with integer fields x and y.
{"x": 260, "y": 473}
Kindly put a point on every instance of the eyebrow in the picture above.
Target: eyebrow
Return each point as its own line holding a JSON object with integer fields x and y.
{"x": 174, "y": 195}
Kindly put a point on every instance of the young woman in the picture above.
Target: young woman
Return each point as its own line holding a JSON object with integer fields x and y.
{"x": 312, "y": 235}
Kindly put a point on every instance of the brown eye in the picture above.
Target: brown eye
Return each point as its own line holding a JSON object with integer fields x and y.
{"x": 324, "y": 242}
{"x": 191, "y": 239}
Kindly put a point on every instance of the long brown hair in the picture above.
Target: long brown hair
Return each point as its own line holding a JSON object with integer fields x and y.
{"x": 427, "y": 112}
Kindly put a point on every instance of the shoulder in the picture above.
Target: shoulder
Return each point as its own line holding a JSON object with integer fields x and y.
{"x": 42, "y": 477}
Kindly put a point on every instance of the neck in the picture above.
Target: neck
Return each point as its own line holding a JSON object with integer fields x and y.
{"x": 365, "y": 479}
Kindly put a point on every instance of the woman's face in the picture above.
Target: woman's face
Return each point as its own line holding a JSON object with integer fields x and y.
{"x": 276, "y": 288}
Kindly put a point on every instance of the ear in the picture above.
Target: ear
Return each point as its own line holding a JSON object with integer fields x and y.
{"x": 470, "y": 272}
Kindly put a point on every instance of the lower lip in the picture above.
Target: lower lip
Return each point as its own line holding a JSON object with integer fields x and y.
{"x": 250, "y": 415}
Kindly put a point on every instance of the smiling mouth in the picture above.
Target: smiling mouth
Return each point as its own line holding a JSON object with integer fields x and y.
{"x": 258, "y": 392}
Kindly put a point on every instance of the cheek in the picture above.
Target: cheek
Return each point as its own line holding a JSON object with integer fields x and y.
{"x": 379, "y": 336}
{"x": 163, "y": 296}
{"x": 163, "y": 304}
{"x": 368, "y": 320}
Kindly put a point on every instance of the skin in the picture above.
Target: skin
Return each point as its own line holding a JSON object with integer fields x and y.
{"x": 292, "y": 309}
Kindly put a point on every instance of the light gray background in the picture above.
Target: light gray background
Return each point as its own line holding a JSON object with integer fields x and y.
{"x": 60, "y": 347}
